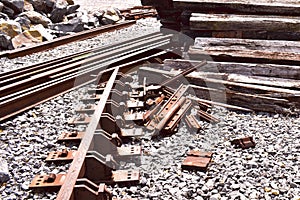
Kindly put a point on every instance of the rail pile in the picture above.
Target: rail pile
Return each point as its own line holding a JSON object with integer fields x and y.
{"x": 252, "y": 45}
{"x": 115, "y": 112}
{"x": 24, "y": 88}
{"x": 139, "y": 12}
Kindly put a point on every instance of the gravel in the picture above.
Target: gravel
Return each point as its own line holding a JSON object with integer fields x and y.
{"x": 268, "y": 171}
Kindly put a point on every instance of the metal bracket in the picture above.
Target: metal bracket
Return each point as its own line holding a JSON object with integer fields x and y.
{"x": 81, "y": 120}
{"x": 131, "y": 132}
{"x": 197, "y": 160}
{"x": 192, "y": 123}
{"x": 105, "y": 173}
{"x": 61, "y": 156}
{"x": 244, "y": 143}
{"x": 71, "y": 137}
{"x": 51, "y": 181}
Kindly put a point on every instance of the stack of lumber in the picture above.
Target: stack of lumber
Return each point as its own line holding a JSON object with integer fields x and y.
{"x": 252, "y": 47}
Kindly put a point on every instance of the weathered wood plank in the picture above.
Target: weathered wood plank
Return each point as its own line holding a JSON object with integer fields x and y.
{"x": 247, "y": 69}
{"x": 245, "y": 49}
{"x": 227, "y": 22}
{"x": 273, "y": 7}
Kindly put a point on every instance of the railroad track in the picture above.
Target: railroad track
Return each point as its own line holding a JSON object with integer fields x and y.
{"x": 24, "y": 88}
{"x": 118, "y": 113}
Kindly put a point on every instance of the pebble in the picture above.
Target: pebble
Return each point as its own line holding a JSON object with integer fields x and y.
{"x": 4, "y": 173}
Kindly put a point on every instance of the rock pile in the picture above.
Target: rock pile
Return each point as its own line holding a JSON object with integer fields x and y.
{"x": 26, "y": 22}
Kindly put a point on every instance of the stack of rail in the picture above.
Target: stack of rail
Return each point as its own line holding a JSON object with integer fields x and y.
{"x": 252, "y": 46}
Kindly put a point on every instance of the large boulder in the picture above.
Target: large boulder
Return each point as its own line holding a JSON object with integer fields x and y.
{"x": 10, "y": 28}
{"x": 38, "y": 5}
{"x": 4, "y": 17}
{"x": 27, "y": 38}
{"x": 74, "y": 25}
{"x": 37, "y": 18}
{"x": 1, "y": 6}
{"x": 111, "y": 16}
{"x": 28, "y": 6}
{"x": 24, "y": 22}
{"x": 72, "y": 9}
{"x": 16, "y": 5}
{"x": 59, "y": 11}
{"x": 45, "y": 33}
{"x": 8, "y": 11}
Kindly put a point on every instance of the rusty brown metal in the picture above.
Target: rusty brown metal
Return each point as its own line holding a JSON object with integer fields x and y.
{"x": 182, "y": 74}
{"x": 61, "y": 156}
{"x": 74, "y": 136}
{"x": 66, "y": 190}
{"x": 81, "y": 120}
{"x": 244, "y": 143}
{"x": 172, "y": 125}
{"x": 207, "y": 117}
{"x": 197, "y": 160}
{"x": 192, "y": 123}
{"x": 52, "y": 181}
{"x": 167, "y": 110}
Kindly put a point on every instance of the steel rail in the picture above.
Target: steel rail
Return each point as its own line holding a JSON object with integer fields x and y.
{"x": 19, "y": 74}
{"x": 83, "y": 71}
{"x": 64, "y": 40}
{"x": 66, "y": 189}
{"x": 112, "y": 55}
{"x": 31, "y": 97}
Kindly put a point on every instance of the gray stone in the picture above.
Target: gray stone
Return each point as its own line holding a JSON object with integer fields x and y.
{"x": 4, "y": 16}
{"x": 4, "y": 173}
{"x": 58, "y": 13}
{"x": 72, "y": 9}
{"x": 111, "y": 16}
{"x": 37, "y": 18}
{"x": 215, "y": 197}
{"x": 73, "y": 25}
{"x": 24, "y": 22}
{"x": 8, "y": 11}
{"x": 45, "y": 6}
{"x": 235, "y": 186}
{"x": 16, "y": 5}
{"x": 1, "y": 6}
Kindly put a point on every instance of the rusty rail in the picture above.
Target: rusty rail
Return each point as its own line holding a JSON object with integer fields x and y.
{"x": 26, "y": 93}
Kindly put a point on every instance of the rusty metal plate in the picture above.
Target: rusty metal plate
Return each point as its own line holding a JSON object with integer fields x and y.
{"x": 200, "y": 154}
{"x": 89, "y": 109}
{"x": 195, "y": 163}
{"x": 134, "y": 104}
{"x": 126, "y": 177}
{"x": 47, "y": 181}
{"x": 129, "y": 151}
{"x": 131, "y": 132}
{"x": 136, "y": 116}
{"x": 61, "y": 156}
{"x": 244, "y": 143}
{"x": 207, "y": 117}
{"x": 82, "y": 120}
{"x": 92, "y": 98}
{"x": 71, "y": 137}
